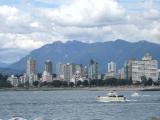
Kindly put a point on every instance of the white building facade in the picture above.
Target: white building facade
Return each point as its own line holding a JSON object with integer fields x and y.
{"x": 93, "y": 70}
{"x": 46, "y": 77}
{"x": 111, "y": 67}
{"x": 147, "y": 67}
{"x": 31, "y": 66}
{"x": 60, "y": 71}
{"x": 31, "y": 75}
{"x": 13, "y": 80}
{"x": 111, "y": 73}
{"x": 48, "y": 66}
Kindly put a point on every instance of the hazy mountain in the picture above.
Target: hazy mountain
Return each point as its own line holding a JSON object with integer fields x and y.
{"x": 3, "y": 65}
{"x": 118, "y": 51}
{"x": 9, "y": 71}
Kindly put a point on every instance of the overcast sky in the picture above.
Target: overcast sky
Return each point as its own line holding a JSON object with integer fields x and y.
{"x": 29, "y": 24}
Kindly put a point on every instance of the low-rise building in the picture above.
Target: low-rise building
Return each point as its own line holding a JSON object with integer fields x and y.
{"x": 13, "y": 80}
{"x": 46, "y": 76}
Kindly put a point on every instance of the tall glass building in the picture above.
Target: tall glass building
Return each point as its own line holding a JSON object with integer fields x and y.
{"x": 93, "y": 70}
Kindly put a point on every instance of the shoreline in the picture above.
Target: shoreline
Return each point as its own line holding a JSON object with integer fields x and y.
{"x": 118, "y": 88}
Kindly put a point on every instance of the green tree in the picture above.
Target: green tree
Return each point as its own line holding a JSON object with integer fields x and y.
{"x": 144, "y": 80}
{"x": 64, "y": 83}
{"x": 100, "y": 82}
{"x": 149, "y": 82}
{"x": 36, "y": 83}
{"x": 85, "y": 83}
{"x": 44, "y": 84}
{"x": 71, "y": 84}
{"x": 4, "y": 82}
{"x": 79, "y": 83}
{"x": 93, "y": 82}
{"x": 57, "y": 83}
{"x": 111, "y": 82}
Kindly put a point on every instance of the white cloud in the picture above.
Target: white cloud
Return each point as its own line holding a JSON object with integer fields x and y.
{"x": 25, "y": 43}
{"x": 27, "y": 27}
{"x": 155, "y": 32}
{"x": 19, "y": 41}
{"x": 8, "y": 11}
{"x": 152, "y": 14}
{"x": 34, "y": 24}
{"x": 87, "y": 13}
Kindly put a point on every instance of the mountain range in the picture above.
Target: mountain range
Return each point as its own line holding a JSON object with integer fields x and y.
{"x": 3, "y": 65}
{"x": 78, "y": 52}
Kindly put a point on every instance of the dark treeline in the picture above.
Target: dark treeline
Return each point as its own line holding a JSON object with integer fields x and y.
{"x": 3, "y": 81}
{"x": 94, "y": 83}
{"x": 85, "y": 83}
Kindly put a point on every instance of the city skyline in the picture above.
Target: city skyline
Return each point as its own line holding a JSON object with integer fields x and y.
{"x": 134, "y": 70}
{"x": 84, "y": 20}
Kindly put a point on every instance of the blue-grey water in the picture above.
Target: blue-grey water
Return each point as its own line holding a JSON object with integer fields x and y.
{"x": 77, "y": 105}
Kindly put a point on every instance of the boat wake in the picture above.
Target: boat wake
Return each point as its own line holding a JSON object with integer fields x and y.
{"x": 135, "y": 94}
{"x": 20, "y": 118}
{"x": 127, "y": 100}
{"x": 17, "y": 118}
{"x": 146, "y": 95}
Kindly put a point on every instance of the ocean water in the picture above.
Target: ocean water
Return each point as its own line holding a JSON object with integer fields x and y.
{"x": 76, "y": 105}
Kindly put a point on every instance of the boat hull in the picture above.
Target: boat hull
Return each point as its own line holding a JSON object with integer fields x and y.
{"x": 111, "y": 99}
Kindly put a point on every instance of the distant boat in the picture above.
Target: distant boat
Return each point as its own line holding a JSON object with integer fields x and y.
{"x": 135, "y": 94}
{"x": 112, "y": 97}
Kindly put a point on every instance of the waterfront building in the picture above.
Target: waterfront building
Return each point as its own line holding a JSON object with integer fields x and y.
{"x": 100, "y": 76}
{"x": 85, "y": 72}
{"x": 68, "y": 72}
{"x": 93, "y": 70}
{"x": 77, "y": 68}
{"x": 72, "y": 72}
{"x": 76, "y": 73}
{"x": 48, "y": 66}
{"x": 31, "y": 71}
{"x": 60, "y": 71}
{"x": 23, "y": 79}
{"x": 111, "y": 67}
{"x": 158, "y": 74}
{"x": 46, "y": 76}
{"x": 13, "y": 80}
{"x": 31, "y": 66}
{"x": 111, "y": 73}
{"x": 128, "y": 70}
{"x": 147, "y": 67}
{"x": 121, "y": 73}
{"x": 76, "y": 77}
{"x": 32, "y": 78}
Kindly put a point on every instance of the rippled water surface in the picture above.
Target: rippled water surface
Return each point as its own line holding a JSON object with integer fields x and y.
{"x": 77, "y": 105}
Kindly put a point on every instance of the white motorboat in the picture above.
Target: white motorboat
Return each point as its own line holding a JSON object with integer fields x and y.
{"x": 135, "y": 94}
{"x": 112, "y": 97}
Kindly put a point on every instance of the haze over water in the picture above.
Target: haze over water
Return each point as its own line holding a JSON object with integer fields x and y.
{"x": 77, "y": 105}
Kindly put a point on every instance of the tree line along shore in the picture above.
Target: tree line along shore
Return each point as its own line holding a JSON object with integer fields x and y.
{"x": 108, "y": 84}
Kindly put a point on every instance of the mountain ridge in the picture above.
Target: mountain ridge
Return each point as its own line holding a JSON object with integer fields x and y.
{"x": 74, "y": 51}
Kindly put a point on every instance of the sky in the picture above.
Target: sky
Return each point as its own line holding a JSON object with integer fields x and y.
{"x": 26, "y": 25}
